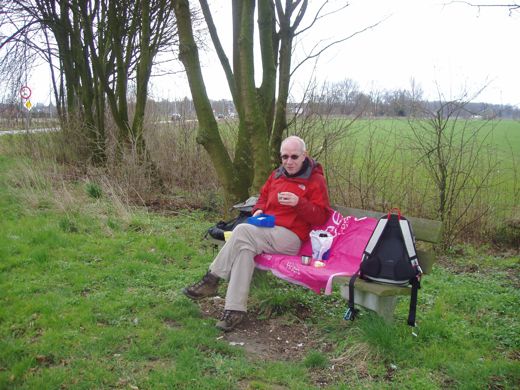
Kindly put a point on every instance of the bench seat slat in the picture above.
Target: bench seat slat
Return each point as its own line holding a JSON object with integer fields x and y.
{"x": 382, "y": 290}
{"x": 424, "y": 229}
{"x": 426, "y": 260}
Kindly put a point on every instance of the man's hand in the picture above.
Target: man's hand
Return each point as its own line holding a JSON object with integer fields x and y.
{"x": 258, "y": 212}
{"x": 288, "y": 199}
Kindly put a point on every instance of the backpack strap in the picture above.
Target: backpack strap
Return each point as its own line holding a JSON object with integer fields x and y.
{"x": 416, "y": 284}
{"x": 374, "y": 238}
{"x": 350, "y": 314}
{"x": 406, "y": 230}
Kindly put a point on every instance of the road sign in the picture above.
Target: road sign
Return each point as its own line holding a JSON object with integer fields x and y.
{"x": 25, "y": 92}
{"x": 28, "y": 104}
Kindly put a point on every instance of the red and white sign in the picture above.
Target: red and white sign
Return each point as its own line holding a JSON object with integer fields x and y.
{"x": 25, "y": 92}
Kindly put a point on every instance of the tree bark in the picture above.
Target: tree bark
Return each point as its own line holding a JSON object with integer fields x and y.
{"x": 208, "y": 135}
{"x": 253, "y": 102}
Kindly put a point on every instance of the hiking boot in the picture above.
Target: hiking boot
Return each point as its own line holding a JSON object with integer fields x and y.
{"x": 206, "y": 287}
{"x": 230, "y": 319}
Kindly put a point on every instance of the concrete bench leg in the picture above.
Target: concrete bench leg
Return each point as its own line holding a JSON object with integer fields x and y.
{"x": 383, "y": 306}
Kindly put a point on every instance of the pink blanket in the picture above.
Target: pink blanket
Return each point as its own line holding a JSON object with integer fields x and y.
{"x": 351, "y": 236}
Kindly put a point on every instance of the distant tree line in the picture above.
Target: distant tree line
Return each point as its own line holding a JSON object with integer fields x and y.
{"x": 341, "y": 100}
{"x": 345, "y": 98}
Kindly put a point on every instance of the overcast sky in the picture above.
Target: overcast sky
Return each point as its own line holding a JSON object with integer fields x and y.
{"x": 445, "y": 47}
{"x": 451, "y": 47}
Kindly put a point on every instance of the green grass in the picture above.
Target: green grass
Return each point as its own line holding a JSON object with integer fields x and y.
{"x": 20, "y": 124}
{"x": 90, "y": 299}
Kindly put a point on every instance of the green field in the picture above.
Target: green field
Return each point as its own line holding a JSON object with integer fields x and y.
{"x": 504, "y": 135}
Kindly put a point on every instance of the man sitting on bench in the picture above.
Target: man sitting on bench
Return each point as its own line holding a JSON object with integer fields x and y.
{"x": 296, "y": 195}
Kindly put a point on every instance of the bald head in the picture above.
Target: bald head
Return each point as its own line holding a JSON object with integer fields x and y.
{"x": 293, "y": 142}
{"x": 293, "y": 154}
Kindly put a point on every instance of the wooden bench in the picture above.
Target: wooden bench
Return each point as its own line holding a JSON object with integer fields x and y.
{"x": 382, "y": 298}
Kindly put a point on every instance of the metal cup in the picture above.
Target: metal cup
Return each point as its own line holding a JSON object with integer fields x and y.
{"x": 306, "y": 260}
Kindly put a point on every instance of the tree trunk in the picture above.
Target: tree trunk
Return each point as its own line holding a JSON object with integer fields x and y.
{"x": 254, "y": 121}
{"x": 144, "y": 69}
{"x": 208, "y": 135}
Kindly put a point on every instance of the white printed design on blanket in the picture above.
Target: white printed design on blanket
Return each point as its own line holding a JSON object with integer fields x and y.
{"x": 340, "y": 224}
{"x": 293, "y": 268}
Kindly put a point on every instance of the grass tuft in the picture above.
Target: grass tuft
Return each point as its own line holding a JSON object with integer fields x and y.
{"x": 316, "y": 359}
{"x": 93, "y": 190}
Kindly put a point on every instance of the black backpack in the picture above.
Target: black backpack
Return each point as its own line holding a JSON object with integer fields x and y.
{"x": 244, "y": 209}
{"x": 390, "y": 257}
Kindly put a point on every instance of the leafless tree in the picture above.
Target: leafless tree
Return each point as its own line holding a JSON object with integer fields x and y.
{"x": 95, "y": 49}
{"x": 262, "y": 110}
{"x": 457, "y": 154}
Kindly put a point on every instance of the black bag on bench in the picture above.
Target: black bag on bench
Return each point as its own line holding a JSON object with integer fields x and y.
{"x": 390, "y": 257}
{"x": 244, "y": 208}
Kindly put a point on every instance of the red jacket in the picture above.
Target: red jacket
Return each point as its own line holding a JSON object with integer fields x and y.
{"x": 313, "y": 207}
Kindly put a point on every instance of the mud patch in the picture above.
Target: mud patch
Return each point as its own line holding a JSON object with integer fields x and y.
{"x": 279, "y": 338}
{"x": 289, "y": 338}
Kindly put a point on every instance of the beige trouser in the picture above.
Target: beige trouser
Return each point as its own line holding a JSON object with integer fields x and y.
{"x": 235, "y": 261}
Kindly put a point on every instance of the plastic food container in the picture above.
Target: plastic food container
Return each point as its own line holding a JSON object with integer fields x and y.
{"x": 262, "y": 220}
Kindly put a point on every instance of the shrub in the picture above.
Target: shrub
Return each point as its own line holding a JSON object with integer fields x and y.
{"x": 508, "y": 234}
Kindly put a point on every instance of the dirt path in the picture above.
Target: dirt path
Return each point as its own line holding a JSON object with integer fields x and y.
{"x": 266, "y": 339}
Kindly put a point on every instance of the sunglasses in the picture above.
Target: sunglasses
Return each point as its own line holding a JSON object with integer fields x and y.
{"x": 292, "y": 156}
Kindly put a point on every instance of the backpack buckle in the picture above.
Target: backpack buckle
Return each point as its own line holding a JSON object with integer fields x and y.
{"x": 350, "y": 314}
{"x": 415, "y": 264}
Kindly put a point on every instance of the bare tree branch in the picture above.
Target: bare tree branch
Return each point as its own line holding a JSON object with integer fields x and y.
{"x": 314, "y": 54}
{"x": 511, "y": 7}
{"x": 319, "y": 16}
{"x": 224, "y": 61}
